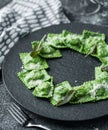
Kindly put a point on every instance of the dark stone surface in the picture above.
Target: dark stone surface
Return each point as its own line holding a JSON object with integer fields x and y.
{"x": 8, "y": 123}
{"x": 73, "y": 67}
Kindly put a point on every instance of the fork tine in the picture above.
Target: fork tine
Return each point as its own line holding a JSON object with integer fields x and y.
{"x": 17, "y": 113}
{"x": 14, "y": 115}
{"x": 20, "y": 111}
{"x": 22, "y": 118}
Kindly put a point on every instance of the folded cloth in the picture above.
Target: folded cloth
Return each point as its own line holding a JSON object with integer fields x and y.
{"x": 21, "y": 17}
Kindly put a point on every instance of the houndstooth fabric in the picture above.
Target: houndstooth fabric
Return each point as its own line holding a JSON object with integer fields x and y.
{"x": 21, "y": 17}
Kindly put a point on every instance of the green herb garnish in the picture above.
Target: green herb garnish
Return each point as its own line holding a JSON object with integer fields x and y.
{"x": 37, "y": 47}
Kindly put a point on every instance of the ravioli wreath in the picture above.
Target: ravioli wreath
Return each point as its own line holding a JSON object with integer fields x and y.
{"x": 35, "y": 76}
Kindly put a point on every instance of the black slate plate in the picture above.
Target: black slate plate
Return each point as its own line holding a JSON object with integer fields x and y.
{"x": 73, "y": 67}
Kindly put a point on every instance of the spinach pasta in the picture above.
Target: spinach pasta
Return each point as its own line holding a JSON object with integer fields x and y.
{"x": 34, "y": 71}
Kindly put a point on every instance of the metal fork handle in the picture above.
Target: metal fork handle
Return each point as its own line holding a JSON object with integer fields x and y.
{"x": 37, "y": 126}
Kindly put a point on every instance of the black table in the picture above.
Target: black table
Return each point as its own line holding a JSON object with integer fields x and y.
{"x": 8, "y": 123}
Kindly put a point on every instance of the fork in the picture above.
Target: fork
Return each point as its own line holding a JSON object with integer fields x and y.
{"x": 22, "y": 118}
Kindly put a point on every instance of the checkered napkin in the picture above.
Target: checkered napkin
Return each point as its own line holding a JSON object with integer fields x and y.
{"x": 21, "y": 17}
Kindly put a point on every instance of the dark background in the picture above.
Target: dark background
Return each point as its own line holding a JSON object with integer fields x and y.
{"x": 8, "y": 123}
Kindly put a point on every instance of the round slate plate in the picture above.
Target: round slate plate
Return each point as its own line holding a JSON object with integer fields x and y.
{"x": 73, "y": 67}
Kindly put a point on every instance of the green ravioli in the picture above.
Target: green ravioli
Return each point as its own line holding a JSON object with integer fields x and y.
{"x": 90, "y": 91}
{"x": 47, "y": 51}
{"x": 62, "y": 94}
{"x": 81, "y": 93}
{"x": 100, "y": 72}
{"x": 102, "y": 50}
{"x": 44, "y": 90}
{"x": 30, "y": 63}
{"x": 33, "y": 78}
{"x": 86, "y": 34}
{"x": 56, "y": 40}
